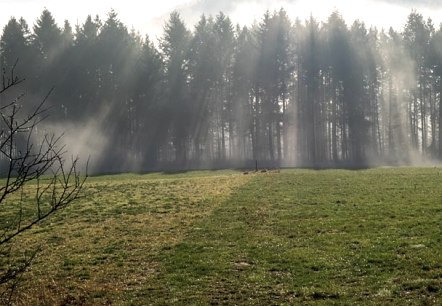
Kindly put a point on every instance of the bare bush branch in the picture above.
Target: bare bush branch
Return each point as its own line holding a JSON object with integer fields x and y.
{"x": 32, "y": 164}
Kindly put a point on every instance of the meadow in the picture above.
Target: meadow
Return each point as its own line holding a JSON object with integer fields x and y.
{"x": 294, "y": 237}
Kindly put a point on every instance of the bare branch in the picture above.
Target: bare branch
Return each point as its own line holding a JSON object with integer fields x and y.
{"x": 10, "y": 81}
{"x": 33, "y": 165}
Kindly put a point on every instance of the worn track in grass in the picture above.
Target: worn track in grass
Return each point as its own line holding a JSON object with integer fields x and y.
{"x": 296, "y": 237}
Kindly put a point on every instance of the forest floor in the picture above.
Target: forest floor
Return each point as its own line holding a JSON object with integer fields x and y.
{"x": 370, "y": 237}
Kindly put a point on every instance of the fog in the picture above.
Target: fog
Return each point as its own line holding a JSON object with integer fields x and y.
{"x": 279, "y": 91}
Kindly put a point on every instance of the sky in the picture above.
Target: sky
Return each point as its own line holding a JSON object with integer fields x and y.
{"x": 149, "y": 16}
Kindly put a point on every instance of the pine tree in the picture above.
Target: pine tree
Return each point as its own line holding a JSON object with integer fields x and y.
{"x": 175, "y": 48}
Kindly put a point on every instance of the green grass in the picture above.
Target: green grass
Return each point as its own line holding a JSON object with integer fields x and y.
{"x": 297, "y": 237}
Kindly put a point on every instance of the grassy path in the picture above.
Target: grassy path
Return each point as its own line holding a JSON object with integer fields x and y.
{"x": 330, "y": 237}
{"x": 296, "y": 237}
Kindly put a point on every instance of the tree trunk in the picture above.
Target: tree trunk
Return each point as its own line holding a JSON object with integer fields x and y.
{"x": 440, "y": 117}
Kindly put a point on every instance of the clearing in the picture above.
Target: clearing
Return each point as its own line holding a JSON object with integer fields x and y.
{"x": 221, "y": 237}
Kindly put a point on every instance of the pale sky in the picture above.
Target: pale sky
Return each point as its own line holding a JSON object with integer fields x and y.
{"x": 148, "y": 17}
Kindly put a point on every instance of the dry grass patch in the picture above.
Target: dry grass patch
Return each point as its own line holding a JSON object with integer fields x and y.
{"x": 106, "y": 246}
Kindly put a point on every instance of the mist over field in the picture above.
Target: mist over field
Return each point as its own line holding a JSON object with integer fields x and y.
{"x": 281, "y": 91}
{"x": 141, "y": 152}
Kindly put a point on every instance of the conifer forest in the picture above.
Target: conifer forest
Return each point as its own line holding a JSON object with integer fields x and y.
{"x": 284, "y": 92}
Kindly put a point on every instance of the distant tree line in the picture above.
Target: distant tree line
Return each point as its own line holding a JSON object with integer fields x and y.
{"x": 282, "y": 92}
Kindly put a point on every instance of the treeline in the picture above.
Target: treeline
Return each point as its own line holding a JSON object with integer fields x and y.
{"x": 283, "y": 92}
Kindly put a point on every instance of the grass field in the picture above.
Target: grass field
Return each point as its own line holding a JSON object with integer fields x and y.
{"x": 370, "y": 237}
